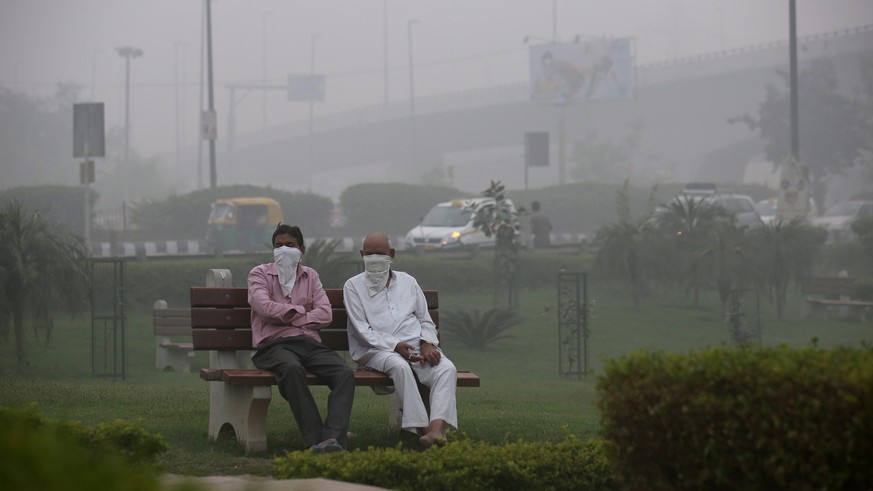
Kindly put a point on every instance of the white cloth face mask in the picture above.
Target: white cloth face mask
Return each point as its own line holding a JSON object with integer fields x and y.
{"x": 377, "y": 268}
{"x": 287, "y": 259}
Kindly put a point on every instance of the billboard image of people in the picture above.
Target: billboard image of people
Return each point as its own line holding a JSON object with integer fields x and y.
{"x": 588, "y": 70}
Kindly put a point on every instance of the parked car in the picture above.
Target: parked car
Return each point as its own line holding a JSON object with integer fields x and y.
{"x": 449, "y": 225}
{"x": 768, "y": 209}
{"x": 838, "y": 219}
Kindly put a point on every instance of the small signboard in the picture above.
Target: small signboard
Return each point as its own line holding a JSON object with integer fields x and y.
{"x": 88, "y": 133}
{"x": 306, "y": 87}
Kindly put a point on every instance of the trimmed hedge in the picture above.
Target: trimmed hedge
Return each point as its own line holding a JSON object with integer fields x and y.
{"x": 39, "y": 453}
{"x": 751, "y": 419}
{"x": 463, "y": 464}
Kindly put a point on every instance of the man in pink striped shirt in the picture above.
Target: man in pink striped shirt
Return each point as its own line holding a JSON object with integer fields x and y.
{"x": 289, "y": 306}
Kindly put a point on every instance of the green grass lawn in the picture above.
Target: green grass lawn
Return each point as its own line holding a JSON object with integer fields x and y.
{"x": 522, "y": 394}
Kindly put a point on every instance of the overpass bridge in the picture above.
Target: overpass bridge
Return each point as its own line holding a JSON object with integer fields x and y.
{"x": 680, "y": 110}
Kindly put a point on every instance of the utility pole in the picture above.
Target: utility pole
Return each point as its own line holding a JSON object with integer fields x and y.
{"x": 213, "y": 174}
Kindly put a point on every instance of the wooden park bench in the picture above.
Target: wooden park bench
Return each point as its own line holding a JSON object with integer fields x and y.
{"x": 169, "y": 323}
{"x": 828, "y": 296}
{"x": 239, "y": 393}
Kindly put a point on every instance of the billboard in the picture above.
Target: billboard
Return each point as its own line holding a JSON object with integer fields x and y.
{"x": 587, "y": 70}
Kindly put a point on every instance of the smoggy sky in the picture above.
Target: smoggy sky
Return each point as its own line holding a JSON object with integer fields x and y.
{"x": 457, "y": 45}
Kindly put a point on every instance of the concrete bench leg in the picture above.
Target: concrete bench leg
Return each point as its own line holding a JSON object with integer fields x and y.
{"x": 244, "y": 409}
{"x": 172, "y": 357}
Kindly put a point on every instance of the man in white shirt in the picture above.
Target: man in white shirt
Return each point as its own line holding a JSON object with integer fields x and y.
{"x": 390, "y": 330}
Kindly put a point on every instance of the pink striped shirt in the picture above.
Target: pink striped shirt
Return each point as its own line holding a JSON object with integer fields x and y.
{"x": 270, "y": 306}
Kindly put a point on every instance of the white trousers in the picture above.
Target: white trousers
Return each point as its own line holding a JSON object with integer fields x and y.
{"x": 441, "y": 379}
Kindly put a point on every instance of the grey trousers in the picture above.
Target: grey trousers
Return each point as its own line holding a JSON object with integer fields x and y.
{"x": 290, "y": 358}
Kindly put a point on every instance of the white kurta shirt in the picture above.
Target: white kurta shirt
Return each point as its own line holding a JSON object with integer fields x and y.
{"x": 396, "y": 314}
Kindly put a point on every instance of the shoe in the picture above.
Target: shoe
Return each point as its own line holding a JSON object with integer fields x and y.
{"x": 328, "y": 446}
{"x": 431, "y": 439}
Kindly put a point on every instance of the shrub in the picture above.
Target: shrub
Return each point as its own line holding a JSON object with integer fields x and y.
{"x": 463, "y": 464}
{"x": 477, "y": 330}
{"x": 39, "y": 453}
{"x": 751, "y": 419}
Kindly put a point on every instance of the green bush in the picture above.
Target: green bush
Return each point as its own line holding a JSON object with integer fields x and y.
{"x": 43, "y": 454}
{"x": 463, "y": 464}
{"x": 751, "y": 419}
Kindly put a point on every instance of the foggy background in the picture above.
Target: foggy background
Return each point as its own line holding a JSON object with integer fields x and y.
{"x": 457, "y": 45}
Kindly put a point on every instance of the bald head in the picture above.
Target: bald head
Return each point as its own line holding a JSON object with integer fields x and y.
{"x": 377, "y": 243}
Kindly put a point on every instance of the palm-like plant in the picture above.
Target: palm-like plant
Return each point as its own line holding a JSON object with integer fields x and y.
{"x": 478, "y": 330}
{"x": 41, "y": 264}
{"x": 785, "y": 252}
{"x": 692, "y": 223}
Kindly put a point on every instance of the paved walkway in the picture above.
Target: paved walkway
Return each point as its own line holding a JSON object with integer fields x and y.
{"x": 260, "y": 483}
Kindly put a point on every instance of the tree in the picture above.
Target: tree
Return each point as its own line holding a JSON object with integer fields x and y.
{"x": 603, "y": 160}
{"x": 500, "y": 219}
{"x": 36, "y": 137}
{"x": 833, "y": 130}
{"x": 42, "y": 264}
{"x": 625, "y": 246}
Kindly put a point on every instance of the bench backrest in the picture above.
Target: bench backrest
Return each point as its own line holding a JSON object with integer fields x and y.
{"x": 829, "y": 286}
{"x": 171, "y": 322}
{"x": 220, "y": 318}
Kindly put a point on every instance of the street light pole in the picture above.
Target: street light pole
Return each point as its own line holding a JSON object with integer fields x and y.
{"x": 127, "y": 53}
{"x": 414, "y": 150}
{"x": 385, "y": 45}
{"x": 555, "y": 21}
{"x": 264, "y": 69}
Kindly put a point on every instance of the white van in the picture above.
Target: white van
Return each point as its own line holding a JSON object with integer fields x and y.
{"x": 447, "y": 225}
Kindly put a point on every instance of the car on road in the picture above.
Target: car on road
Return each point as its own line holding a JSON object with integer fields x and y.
{"x": 838, "y": 219}
{"x": 449, "y": 225}
{"x": 768, "y": 209}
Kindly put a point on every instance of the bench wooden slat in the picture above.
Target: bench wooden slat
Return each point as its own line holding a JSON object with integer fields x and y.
{"x": 363, "y": 378}
{"x": 172, "y": 312}
{"x": 221, "y": 340}
{"x": 221, "y": 318}
{"x": 219, "y": 297}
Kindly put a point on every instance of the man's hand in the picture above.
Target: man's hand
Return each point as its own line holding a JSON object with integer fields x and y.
{"x": 289, "y": 316}
{"x": 430, "y": 354}
{"x": 406, "y": 351}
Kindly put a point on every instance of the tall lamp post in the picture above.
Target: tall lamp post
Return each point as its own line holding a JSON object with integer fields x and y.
{"x": 414, "y": 149}
{"x": 264, "y": 68}
{"x": 127, "y": 53}
{"x": 385, "y": 46}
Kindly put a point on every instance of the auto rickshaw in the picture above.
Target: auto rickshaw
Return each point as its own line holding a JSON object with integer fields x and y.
{"x": 243, "y": 224}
